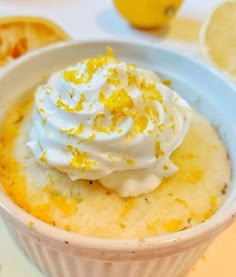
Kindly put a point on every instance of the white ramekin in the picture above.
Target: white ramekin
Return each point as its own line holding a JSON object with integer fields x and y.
{"x": 60, "y": 253}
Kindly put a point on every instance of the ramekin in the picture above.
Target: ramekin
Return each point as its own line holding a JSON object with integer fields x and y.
{"x": 60, "y": 253}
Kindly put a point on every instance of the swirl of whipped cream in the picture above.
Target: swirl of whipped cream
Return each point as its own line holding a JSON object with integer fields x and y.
{"x": 109, "y": 120}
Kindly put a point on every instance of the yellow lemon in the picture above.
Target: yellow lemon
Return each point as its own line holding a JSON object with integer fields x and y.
{"x": 147, "y": 14}
{"x": 218, "y": 38}
{"x": 21, "y": 34}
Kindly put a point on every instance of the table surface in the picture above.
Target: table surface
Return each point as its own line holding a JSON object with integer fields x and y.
{"x": 93, "y": 19}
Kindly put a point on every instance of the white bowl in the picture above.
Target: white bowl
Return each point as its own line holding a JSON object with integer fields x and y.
{"x": 60, "y": 253}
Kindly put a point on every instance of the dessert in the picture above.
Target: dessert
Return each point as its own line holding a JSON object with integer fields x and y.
{"x": 70, "y": 163}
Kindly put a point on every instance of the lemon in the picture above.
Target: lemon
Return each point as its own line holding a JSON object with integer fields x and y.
{"x": 21, "y": 34}
{"x": 218, "y": 38}
{"x": 147, "y": 14}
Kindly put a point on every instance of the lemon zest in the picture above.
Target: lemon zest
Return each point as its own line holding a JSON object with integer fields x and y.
{"x": 79, "y": 159}
{"x": 73, "y": 132}
{"x": 43, "y": 158}
{"x": 79, "y": 106}
{"x": 158, "y": 151}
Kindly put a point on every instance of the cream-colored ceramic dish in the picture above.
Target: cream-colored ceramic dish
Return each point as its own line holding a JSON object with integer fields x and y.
{"x": 60, "y": 253}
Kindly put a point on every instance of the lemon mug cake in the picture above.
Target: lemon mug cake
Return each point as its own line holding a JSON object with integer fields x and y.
{"x": 105, "y": 148}
{"x": 108, "y": 171}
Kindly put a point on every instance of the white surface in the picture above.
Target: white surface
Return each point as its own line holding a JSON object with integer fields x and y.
{"x": 12, "y": 262}
{"x": 93, "y": 18}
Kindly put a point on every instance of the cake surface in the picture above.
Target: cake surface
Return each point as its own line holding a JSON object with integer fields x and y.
{"x": 189, "y": 197}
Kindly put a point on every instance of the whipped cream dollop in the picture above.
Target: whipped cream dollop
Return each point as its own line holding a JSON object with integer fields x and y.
{"x": 111, "y": 121}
